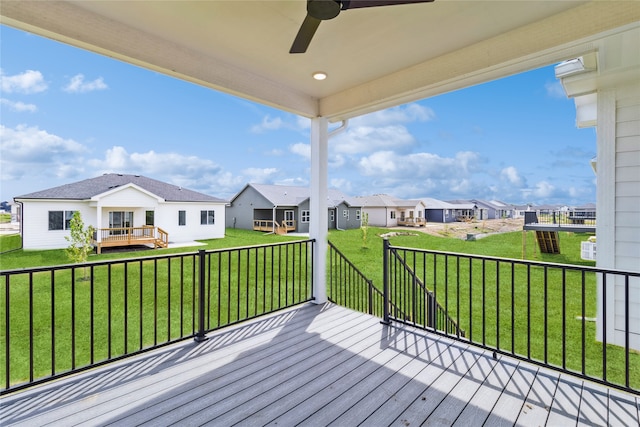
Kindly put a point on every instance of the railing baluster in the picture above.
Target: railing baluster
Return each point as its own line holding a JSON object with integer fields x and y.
{"x": 52, "y": 288}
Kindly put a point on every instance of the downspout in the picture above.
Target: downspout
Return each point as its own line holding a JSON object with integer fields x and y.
{"x": 339, "y": 129}
{"x": 273, "y": 220}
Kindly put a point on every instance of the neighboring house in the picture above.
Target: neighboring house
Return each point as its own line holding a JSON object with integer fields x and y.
{"x": 121, "y": 207}
{"x": 387, "y": 211}
{"x": 438, "y": 211}
{"x": 282, "y": 208}
{"x": 503, "y": 210}
{"x": 465, "y": 210}
{"x": 479, "y": 209}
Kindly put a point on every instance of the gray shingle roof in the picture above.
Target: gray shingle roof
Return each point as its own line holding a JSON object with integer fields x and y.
{"x": 290, "y": 195}
{"x": 88, "y": 188}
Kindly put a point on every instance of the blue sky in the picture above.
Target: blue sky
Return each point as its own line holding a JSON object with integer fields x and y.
{"x": 67, "y": 115}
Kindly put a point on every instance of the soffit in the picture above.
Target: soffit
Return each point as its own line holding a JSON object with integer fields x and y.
{"x": 375, "y": 57}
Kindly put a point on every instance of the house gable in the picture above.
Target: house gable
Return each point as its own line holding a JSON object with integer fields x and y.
{"x": 129, "y": 195}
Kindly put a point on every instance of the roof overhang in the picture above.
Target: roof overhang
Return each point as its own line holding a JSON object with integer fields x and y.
{"x": 374, "y": 57}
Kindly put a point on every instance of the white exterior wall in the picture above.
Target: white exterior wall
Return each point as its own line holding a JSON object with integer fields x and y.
{"x": 618, "y": 229}
{"x": 379, "y": 217}
{"x": 35, "y": 224}
{"x": 627, "y": 212}
{"x": 166, "y": 217}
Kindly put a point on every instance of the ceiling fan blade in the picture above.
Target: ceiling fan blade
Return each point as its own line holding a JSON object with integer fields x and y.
{"x": 305, "y": 34}
{"x": 355, "y": 4}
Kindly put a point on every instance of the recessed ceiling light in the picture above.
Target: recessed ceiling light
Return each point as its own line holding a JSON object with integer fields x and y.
{"x": 319, "y": 75}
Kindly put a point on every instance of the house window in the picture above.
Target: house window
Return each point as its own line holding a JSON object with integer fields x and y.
{"x": 207, "y": 217}
{"x": 392, "y": 214}
{"x": 60, "y": 220}
{"x": 332, "y": 216}
{"x": 149, "y": 218}
{"x": 304, "y": 216}
{"x": 182, "y": 217}
{"x": 357, "y": 215}
{"x": 345, "y": 213}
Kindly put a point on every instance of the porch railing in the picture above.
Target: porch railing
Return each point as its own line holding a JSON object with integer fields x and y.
{"x": 274, "y": 226}
{"x": 561, "y": 218}
{"x": 64, "y": 319}
{"x": 128, "y": 236}
{"x": 554, "y": 315}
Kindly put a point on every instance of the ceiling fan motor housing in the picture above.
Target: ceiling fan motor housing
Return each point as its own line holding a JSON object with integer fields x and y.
{"x": 323, "y": 9}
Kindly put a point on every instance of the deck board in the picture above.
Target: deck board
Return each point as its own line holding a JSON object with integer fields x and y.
{"x": 319, "y": 365}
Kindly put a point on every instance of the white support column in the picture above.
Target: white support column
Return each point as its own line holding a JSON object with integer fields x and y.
{"x": 319, "y": 218}
{"x": 98, "y": 222}
{"x": 605, "y": 207}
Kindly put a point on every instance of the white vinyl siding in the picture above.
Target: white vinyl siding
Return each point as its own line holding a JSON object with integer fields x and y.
{"x": 627, "y": 210}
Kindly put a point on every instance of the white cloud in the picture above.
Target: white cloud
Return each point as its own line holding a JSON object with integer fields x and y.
{"x": 28, "y": 82}
{"x": 268, "y": 124}
{"x": 367, "y": 139}
{"x": 259, "y": 175}
{"x": 117, "y": 159}
{"x": 301, "y": 149}
{"x": 32, "y": 145}
{"x": 18, "y": 106}
{"x": 31, "y": 153}
{"x": 555, "y": 90}
{"x": 419, "y": 165}
{"x": 544, "y": 189}
{"x": 511, "y": 175}
{"x": 78, "y": 85}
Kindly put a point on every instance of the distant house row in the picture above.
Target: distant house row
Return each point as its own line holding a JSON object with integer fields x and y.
{"x": 123, "y": 208}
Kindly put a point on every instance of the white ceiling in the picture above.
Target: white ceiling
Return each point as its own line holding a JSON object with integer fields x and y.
{"x": 375, "y": 57}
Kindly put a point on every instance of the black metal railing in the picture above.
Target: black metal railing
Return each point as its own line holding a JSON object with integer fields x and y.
{"x": 571, "y": 218}
{"x": 570, "y": 318}
{"x": 64, "y": 319}
{"x": 349, "y": 287}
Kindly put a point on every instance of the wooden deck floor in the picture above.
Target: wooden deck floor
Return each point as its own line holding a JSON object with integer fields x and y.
{"x": 320, "y": 365}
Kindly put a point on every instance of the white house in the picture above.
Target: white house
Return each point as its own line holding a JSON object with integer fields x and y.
{"x": 386, "y": 211}
{"x": 116, "y": 205}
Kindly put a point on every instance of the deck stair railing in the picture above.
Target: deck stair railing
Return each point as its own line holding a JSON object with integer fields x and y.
{"x": 349, "y": 287}
{"x": 421, "y": 303}
{"x": 64, "y": 319}
{"x": 557, "y": 316}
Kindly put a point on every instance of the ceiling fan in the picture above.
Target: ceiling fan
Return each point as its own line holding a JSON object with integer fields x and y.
{"x": 322, "y": 10}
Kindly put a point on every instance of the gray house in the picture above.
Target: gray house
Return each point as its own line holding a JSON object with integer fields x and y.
{"x": 439, "y": 211}
{"x": 283, "y": 209}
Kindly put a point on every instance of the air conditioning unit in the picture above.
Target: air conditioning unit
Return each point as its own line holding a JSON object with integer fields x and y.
{"x": 588, "y": 251}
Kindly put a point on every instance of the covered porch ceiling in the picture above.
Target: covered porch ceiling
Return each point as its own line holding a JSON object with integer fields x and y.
{"x": 374, "y": 57}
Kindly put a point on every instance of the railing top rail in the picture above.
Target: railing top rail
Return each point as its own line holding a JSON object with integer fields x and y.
{"x": 523, "y": 262}
{"x": 141, "y": 259}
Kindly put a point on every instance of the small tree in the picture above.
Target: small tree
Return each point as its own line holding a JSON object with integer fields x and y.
{"x": 364, "y": 228}
{"x": 80, "y": 238}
